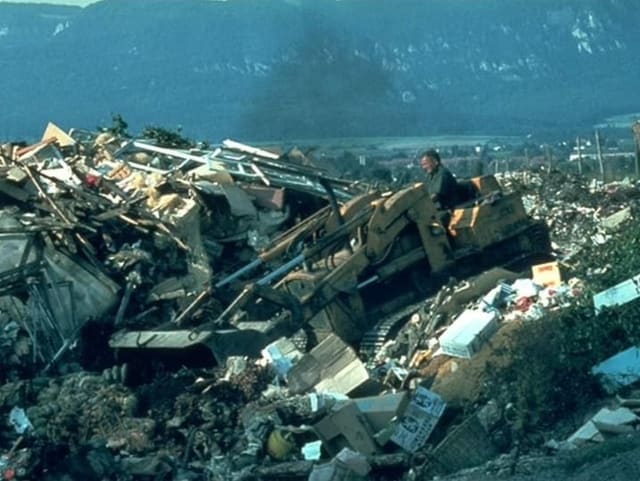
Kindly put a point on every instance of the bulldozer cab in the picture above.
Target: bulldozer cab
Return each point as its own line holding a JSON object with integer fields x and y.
{"x": 469, "y": 190}
{"x": 487, "y": 218}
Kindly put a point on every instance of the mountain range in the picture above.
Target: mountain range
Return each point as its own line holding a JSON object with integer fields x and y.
{"x": 286, "y": 69}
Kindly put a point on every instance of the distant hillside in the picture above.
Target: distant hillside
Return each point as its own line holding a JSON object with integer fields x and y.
{"x": 270, "y": 69}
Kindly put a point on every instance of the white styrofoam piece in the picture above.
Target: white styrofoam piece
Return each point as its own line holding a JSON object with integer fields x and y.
{"x": 619, "y": 370}
{"x": 468, "y": 332}
{"x": 621, "y": 293}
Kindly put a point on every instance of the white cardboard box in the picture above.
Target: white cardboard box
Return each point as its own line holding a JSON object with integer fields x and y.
{"x": 419, "y": 419}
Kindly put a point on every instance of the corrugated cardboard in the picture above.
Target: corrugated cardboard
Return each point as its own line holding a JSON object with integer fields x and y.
{"x": 63, "y": 139}
{"x": 419, "y": 420}
{"x": 547, "y": 275}
{"x": 331, "y": 366}
{"x": 346, "y": 427}
{"x": 380, "y": 410}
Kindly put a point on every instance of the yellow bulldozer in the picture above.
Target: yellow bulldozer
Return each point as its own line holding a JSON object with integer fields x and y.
{"x": 351, "y": 266}
{"x": 399, "y": 248}
{"x": 346, "y": 267}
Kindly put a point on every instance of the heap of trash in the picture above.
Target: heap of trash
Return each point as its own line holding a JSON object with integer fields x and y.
{"x": 157, "y": 317}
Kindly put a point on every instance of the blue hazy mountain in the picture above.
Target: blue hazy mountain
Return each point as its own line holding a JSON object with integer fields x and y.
{"x": 271, "y": 69}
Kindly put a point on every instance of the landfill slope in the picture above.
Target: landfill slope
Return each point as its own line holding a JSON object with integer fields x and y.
{"x": 156, "y": 321}
{"x": 617, "y": 462}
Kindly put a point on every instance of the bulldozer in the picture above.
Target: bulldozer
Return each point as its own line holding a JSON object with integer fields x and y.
{"x": 346, "y": 267}
{"x": 399, "y": 247}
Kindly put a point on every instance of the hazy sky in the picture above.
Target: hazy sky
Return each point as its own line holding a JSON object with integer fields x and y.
{"x": 80, "y": 3}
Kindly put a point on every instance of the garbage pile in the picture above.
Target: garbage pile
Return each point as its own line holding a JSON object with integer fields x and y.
{"x": 95, "y": 222}
{"x": 132, "y": 277}
{"x": 577, "y": 212}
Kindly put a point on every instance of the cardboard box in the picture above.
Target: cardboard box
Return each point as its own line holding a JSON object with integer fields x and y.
{"x": 380, "y": 410}
{"x": 419, "y": 420}
{"x": 547, "y": 275}
{"x": 52, "y": 131}
{"x": 331, "y": 366}
{"x": 358, "y": 423}
{"x": 346, "y": 427}
{"x": 468, "y": 332}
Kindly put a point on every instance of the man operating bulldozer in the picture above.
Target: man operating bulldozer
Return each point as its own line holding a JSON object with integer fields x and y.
{"x": 440, "y": 183}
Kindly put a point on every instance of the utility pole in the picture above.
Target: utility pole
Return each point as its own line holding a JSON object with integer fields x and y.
{"x": 548, "y": 155}
{"x": 636, "y": 133}
{"x": 599, "y": 154}
{"x": 579, "y": 147}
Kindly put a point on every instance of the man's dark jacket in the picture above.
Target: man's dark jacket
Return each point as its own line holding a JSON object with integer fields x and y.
{"x": 442, "y": 186}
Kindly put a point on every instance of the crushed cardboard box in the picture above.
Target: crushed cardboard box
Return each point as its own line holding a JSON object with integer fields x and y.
{"x": 331, "y": 366}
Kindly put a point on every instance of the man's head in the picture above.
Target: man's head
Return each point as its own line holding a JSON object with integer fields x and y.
{"x": 429, "y": 160}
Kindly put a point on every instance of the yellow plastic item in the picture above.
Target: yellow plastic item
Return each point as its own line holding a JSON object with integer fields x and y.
{"x": 279, "y": 444}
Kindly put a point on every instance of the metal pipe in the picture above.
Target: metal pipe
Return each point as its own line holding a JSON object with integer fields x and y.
{"x": 599, "y": 155}
{"x": 283, "y": 269}
{"x": 369, "y": 281}
{"x": 247, "y": 149}
{"x": 192, "y": 307}
{"x": 239, "y": 273}
{"x": 169, "y": 152}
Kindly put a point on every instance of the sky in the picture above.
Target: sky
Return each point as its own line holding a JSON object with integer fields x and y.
{"x": 79, "y": 3}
